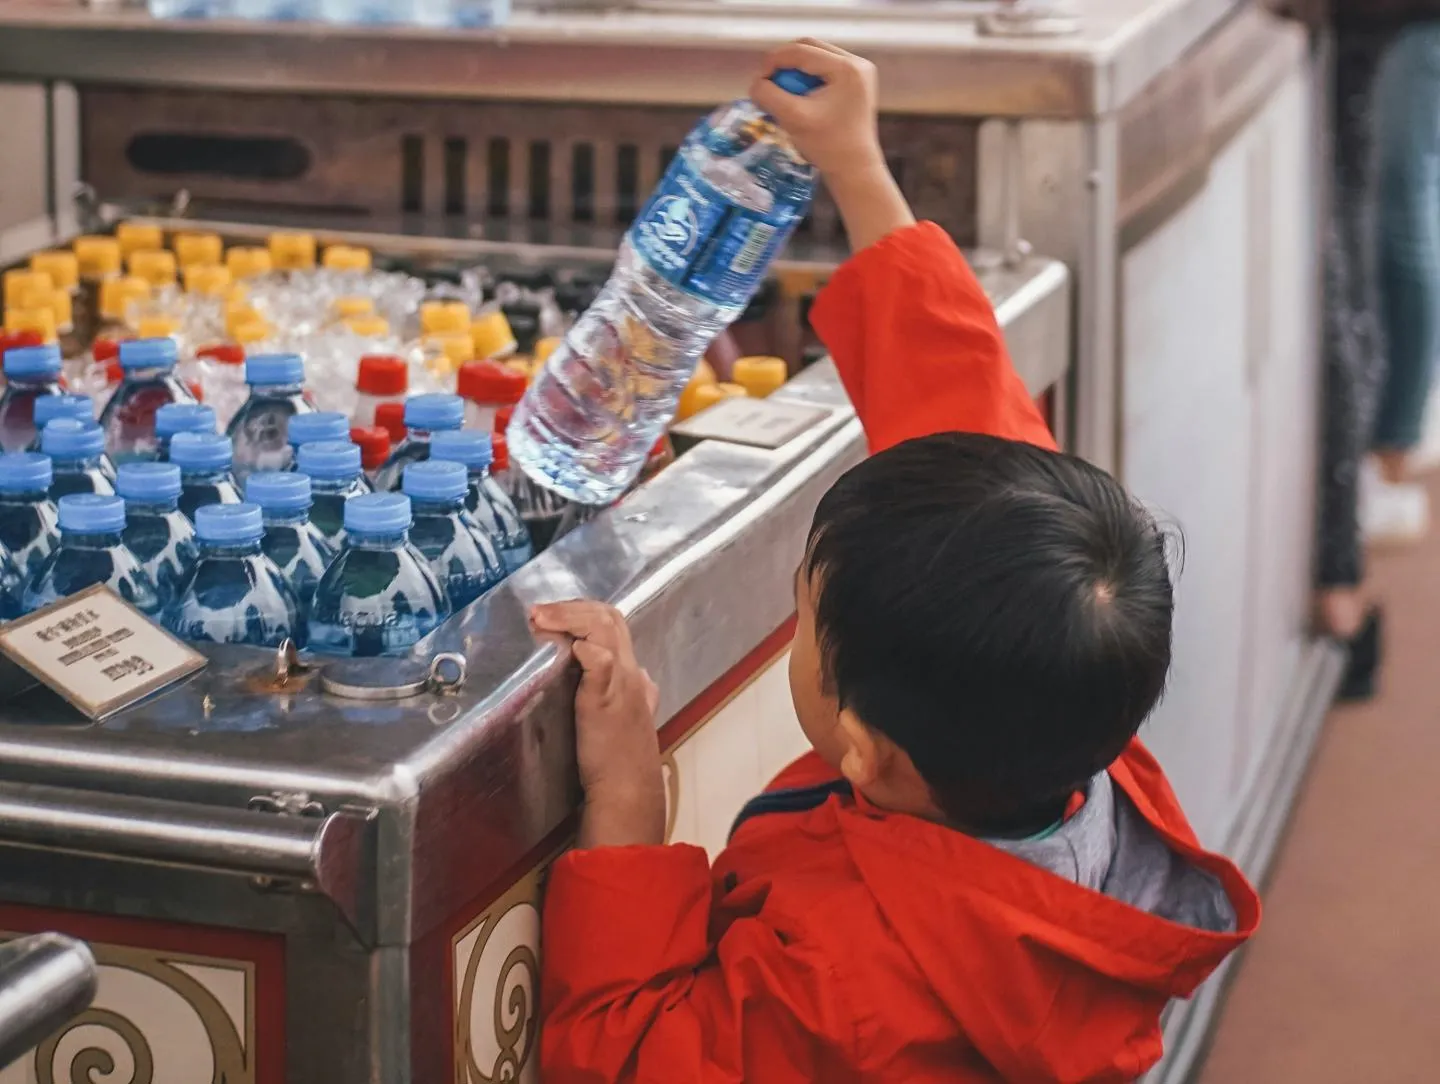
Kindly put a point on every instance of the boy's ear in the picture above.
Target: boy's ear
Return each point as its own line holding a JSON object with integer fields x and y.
{"x": 866, "y": 752}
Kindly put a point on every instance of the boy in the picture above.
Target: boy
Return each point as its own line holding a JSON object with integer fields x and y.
{"x": 978, "y": 875}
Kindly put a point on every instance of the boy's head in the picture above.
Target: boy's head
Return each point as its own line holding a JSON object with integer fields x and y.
{"x": 983, "y": 625}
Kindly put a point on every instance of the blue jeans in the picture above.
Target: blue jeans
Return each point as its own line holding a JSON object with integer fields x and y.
{"x": 1408, "y": 253}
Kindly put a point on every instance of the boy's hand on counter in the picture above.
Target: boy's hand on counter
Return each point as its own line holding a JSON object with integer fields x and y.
{"x": 616, "y": 744}
{"x": 836, "y": 127}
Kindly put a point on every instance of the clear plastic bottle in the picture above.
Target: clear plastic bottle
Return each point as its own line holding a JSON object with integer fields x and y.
{"x": 378, "y": 597}
{"x": 314, "y": 428}
{"x": 176, "y": 418}
{"x": 335, "y": 477}
{"x": 50, "y": 407}
{"x": 234, "y": 594}
{"x": 156, "y": 530}
{"x": 12, "y": 587}
{"x": 462, "y": 555}
{"x": 204, "y": 461}
{"x": 30, "y": 373}
{"x": 484, "y": 499}
{"x": 148, "y": 383}
{"x": 77, "y": 454}
{"x": 424, "y": 414}
{"x": 91, "y": 551}
{"x": 688, "y": 267}
{"x": 295, "y": 544}
{"x": 259, "y": 430}
{"x": 29, "y": 522}
{"x": 488, "y": 387}
{"x": 221, "y": 370}
{"x": 381, "y": 378}
{"x": 541, "y": 510}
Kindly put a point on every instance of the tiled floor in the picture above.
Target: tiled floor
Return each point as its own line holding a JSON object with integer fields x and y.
{"x": 1342, "y": 985}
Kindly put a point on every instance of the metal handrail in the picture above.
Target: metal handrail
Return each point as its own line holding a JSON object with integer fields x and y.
{"x": 46, "y": 980}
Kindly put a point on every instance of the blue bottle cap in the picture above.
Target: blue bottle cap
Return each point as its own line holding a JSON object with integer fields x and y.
{"x": 148, "y": 353}
{"x": 468, "y": 446}
{"x": 322, "y": 425}
{"x": 148, "y": 481}
{"x": 279, "y": 490}
{"x": 794, "y": 81}
{"x": 274, "y": 369}
{"x": 175, "y": 418}
{"x": 435, "y": 480}
{"x": 50, "y": 407}
{"x": 226, "y": 523}
{"x": 92, "y": 513}
{"x": 65, "y": 438}
{"x": 328, "y": 460}
{"x": 22, "y": 361}
{"x": 378, "y": 513}
{"x": 201, "y": 451}
{"x": 25, "y": 472}
{"x": 435, "y": 410}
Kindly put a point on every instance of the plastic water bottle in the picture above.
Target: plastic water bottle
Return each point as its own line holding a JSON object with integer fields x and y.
{"x": 180, "y": 418}
{"x": 31, "y": 372}
{"x": 147, "y": 383}
{"x": 463, "y": 557}
{"x": 485, "y": 500}
{"x": 29, "y": 522}
{"x": 234, "y": 594}
{"x": 295, "y": 544}
{"x": 378, "y": 597}
{"x": 314, "y": 428}
{"x": 260, "y": 428}
{"x": 50, "y": 407}
{"x": 156, "y": 530}
{"x": 205, "y": 478}
{"x": 12, "y": 587}
{"x": 77, "y": 455}
{"x": 333, "y": 467}
{"x": 424, "y": 414}
{"x": 92, "y": 551}
{"x": 688, "y": 267}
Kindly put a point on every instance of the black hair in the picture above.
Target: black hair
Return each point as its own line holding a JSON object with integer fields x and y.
{"x": 999, "y": 611}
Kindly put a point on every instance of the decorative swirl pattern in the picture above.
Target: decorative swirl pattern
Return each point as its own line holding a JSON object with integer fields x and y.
{"x": 501, "y": 968}
{"x": 86, "y": 1052}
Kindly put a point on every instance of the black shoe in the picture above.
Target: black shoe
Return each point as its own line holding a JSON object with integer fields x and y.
{"x": 1365, "y": 649}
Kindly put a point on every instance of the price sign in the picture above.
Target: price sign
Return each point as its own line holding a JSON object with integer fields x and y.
{"x": 97, "y": 651}
{"x": 760, "y": 423}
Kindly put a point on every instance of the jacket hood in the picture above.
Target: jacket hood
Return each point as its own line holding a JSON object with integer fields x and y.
{"x": 1056, "y": 956}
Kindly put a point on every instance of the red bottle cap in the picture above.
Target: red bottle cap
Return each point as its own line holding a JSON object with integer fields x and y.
{"x": 225, "y": 353}
{"x": 502, "y": 418}
{"x": 196, "y": 390}
{"x": 501, "y": 449}
{"x": 374, "y": 446}
{"x": 391, "y": 418}
{"x": 382, "y": 374}
{"x": 489, "y": 382}
{"x": 12, "y": 340}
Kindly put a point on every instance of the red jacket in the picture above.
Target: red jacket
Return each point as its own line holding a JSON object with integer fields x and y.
{"x": 841, "y": 943}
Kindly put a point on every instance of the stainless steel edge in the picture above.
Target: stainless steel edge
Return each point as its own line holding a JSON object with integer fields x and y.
{"x": 45, "y": 981}
{"x": 937, "y": 66}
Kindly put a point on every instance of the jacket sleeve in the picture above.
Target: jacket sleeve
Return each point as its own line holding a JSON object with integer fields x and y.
{"x": 917, "y": 345}
{"x": 635, "y": 990}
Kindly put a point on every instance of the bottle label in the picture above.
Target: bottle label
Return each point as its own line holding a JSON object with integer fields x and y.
{"x": 697, "y": 239}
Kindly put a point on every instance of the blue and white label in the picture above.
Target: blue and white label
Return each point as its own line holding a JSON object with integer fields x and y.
{"x": 695, "y": 238}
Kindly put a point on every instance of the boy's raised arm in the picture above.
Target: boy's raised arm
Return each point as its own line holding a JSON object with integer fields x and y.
{"x": 912, "y": 333}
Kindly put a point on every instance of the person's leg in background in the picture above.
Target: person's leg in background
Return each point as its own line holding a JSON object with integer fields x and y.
{"x": 1352, "y": 355}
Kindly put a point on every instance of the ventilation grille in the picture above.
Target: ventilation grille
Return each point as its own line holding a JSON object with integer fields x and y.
{"x": 448, "y": 161}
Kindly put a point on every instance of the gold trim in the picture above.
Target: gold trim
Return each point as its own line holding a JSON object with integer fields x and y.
{"x": 516, "y": 1013}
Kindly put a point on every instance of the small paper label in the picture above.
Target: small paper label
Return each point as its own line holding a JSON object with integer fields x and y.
{"x": 760, "y": 423}
{"x": 97, "y": 651}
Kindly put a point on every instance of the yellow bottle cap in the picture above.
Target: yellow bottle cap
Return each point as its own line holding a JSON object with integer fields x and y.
{"x": 704, "y": 373}
{"x": 346, "y": 258}
{"x": 157, "y": 326}
{"x": 21, "y": 281}
{"x": 250, "y": 332}
{"x": 58, "y": 302}
{"x": 41, "y": 321}
{"x": 235, "y": 293}
{"x": 524, "y": 366}
{"x": 492, "y": 336}
{"x": 207, "y": 280}
{"x": 154, "y": 265}
{"x": 99, "y": 257}
{"x": 197, "y": 248}
{"x": 760, "y": 376}
{"x": 698, "y": 397}
{"x": 345, "y": 307}
{"x": 248, "y": 261}
{"x": 237, "y": 315}
{"x": 441, "y": 317}
{"x": 369, "y": 327}
{"x": 545, "y": 347}
{"x": 62, "y": 267}
{"x": 134, "y": 236}
{"x": 118, "y": 294}
{"x": 456, "y": 348}
{"x": 292, "y": 251}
